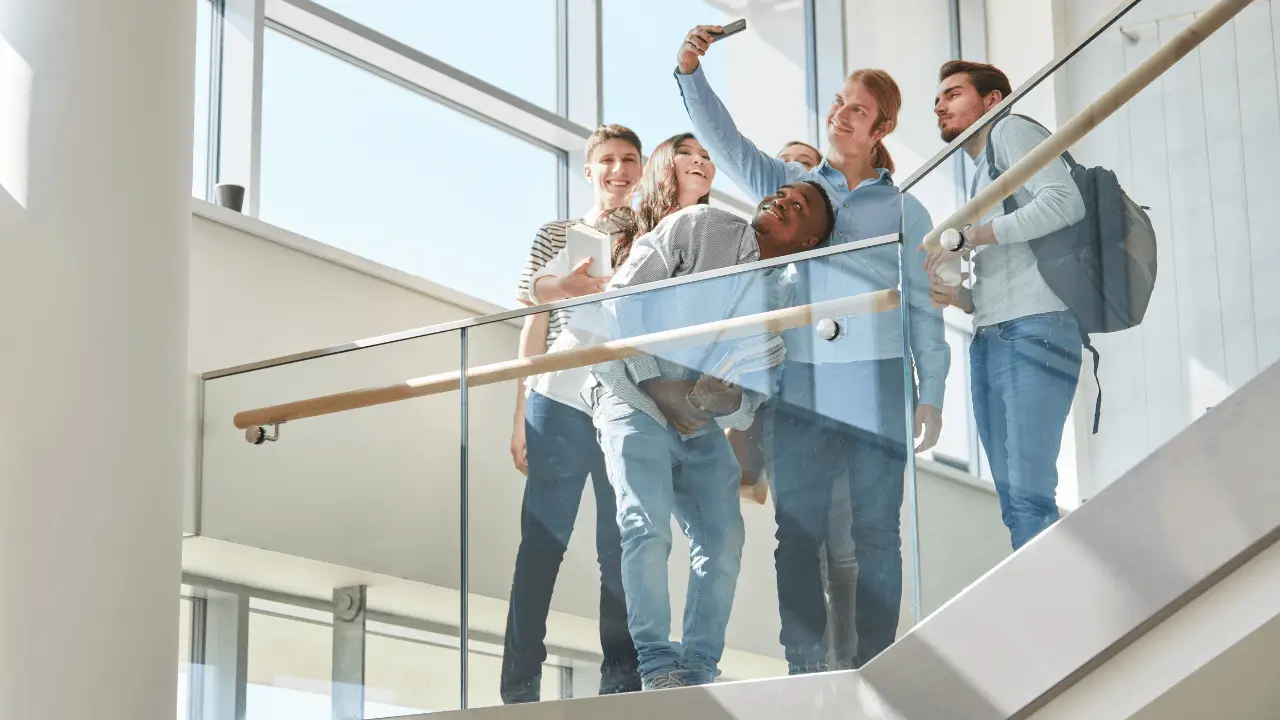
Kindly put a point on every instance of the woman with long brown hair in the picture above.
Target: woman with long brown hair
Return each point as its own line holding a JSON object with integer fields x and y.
{"x": 678, "y": 175}
{"x": 845, "y": 409}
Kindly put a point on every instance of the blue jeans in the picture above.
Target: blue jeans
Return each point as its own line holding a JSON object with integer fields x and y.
{"x": 1024, "y": 376}
{"x": 839, "y": 561}
{"x": 655, "y": 472}
{"x": 856, "y": 435}
{"x": 562, "y": 451}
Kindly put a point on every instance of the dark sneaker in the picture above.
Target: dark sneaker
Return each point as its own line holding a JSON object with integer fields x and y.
{"x": 664, "y": 681}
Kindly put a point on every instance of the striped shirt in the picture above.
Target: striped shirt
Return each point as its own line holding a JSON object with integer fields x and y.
{"x": 550, "y": 240}
{"x": 693, "y": 240}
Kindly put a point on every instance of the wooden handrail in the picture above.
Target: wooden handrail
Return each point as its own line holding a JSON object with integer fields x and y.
{"x": 785, "y": 319}
{"x": 1205, "y": 24}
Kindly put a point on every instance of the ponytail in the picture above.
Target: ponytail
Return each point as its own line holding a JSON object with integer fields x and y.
{"x": 888, "y": 98}
{"x": 881, "y": 158}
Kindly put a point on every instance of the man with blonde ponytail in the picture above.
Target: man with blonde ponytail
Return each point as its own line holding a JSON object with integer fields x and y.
{"x": 842, "y": 404}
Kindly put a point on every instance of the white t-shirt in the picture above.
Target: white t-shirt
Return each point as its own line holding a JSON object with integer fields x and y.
{"x": 585, "y": 327}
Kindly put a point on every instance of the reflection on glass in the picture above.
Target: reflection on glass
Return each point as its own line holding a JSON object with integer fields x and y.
{"x": 420, "y": 675}
{"x": 290, "y": 669}
{"x": 200, "y": 145}
{"x": 465, "y": 35}
{"x": 358, "y": 162}
{"x": 640, "y": 40}
{"x": 831, "y": 443}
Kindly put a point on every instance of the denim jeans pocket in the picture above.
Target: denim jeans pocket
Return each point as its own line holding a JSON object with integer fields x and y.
{"x": 609, "y": 407}
{"x": 1034, "y": 327}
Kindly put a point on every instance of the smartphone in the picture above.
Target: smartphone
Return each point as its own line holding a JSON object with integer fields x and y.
{"x": 732, "y": 28}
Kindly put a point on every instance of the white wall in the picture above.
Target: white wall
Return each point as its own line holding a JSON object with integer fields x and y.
{"x": 1200, "y": 147}
{"x": 1020, "y": 41}
{"x": 377, "y": 489}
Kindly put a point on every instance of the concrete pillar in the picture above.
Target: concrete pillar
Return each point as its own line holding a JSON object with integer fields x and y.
{"x": 95, "y": 174}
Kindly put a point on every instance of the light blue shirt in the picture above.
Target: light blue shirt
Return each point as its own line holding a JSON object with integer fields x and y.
{"x": 873, "y": 208}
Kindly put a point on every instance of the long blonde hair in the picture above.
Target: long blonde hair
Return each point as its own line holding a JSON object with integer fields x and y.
{"x": 888, "y": 97}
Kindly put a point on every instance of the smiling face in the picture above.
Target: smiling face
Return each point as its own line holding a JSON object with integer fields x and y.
{"x": 791, "y": 220}
{"x": 852, "y": 121}
{"x": 694, "y": 171}
{"x": 614, "y": 172}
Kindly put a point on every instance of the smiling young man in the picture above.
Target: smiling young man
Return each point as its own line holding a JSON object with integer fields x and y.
{"x": 841, "y": 414}
{"x": 660, "y": 418}
{"x": 555, "y": 446}
{"x": 1025, "y": 356}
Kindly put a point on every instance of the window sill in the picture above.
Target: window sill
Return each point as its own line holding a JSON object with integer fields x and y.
{"x": 271, "y": 233}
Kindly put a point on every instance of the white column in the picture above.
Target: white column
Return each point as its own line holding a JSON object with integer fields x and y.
{"x": 95, "y": 164}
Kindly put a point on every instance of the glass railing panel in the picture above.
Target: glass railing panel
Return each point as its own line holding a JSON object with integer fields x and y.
{"x": 545, "y": 547}
{"x": 1198, "y": 150}
{"x": 365, "y": 496}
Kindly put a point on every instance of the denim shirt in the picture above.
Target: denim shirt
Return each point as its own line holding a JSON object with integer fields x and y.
{"x": 873, "y": 208}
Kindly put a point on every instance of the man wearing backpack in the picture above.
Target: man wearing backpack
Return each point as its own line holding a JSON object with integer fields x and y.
{"x": 1026, "y": 351}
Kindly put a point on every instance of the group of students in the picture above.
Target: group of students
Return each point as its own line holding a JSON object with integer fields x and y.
{"x": 663, "y": 435}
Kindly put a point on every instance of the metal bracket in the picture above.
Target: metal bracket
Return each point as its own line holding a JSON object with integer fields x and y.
{"x": 348, "y": 603}
{"x": 257, "y": 435}
{"x": 347, "y": 694}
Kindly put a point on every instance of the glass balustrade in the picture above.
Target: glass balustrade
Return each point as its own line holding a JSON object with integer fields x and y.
{"x": 716, "y": 474}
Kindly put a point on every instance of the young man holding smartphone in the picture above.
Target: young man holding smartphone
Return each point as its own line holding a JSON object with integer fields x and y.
{"x": 844, "y": 402}
{"x": 555, "y": 446}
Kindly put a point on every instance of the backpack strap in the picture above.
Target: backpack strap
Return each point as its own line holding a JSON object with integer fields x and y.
{"x": 1097, "y": 359}
{"x": 1011, "y": 205}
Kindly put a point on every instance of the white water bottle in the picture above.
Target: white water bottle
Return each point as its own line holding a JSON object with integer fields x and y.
{"x": 949, "y": 272}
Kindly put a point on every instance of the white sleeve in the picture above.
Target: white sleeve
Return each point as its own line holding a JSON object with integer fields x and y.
{"x": 558, "y": 267}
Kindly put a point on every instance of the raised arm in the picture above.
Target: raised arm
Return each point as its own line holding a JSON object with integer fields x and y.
{"x": 757, "y": 172}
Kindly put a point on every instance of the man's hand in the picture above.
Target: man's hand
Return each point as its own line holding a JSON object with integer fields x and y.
{"x": 716, "y": 396}
{"x": 928, "y": 425}
{"x": 941, "y": 257}
{"x": 695, "y": 46}
{"x": 672, "y": 398}
{"x": 942, "y": 294}
{"x": 519, "y": 450}
{"x": 578, "y": 283}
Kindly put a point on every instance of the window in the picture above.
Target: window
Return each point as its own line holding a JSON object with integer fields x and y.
{"x": 409, "y": 671}
{"x": 290, "y": 669}
{"x": 759, "y": 74}
{"x": 363, "y": 164}
{"x": 955, "y": 445}
{"x": 184, "y": 657}
{"x": 508, "y": 44}
{"x": 200, "y": 142}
